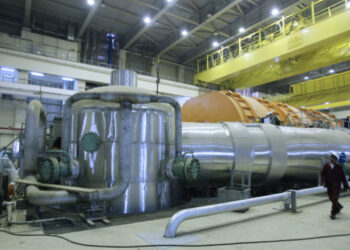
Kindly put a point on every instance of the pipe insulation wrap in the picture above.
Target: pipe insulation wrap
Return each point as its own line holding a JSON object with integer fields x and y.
{"x": 35, "y": 136}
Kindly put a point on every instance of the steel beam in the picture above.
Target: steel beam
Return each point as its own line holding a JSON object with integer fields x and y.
{"x": 171, "y": 41}
{"x": 141, "y": 28}
{"x": 251, "y": 20}
{"x": 27, "y": 11}
{"x": 88, "y": 18}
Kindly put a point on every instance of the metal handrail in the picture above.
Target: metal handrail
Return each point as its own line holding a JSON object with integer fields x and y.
{"x": 191, "y": 213}
{"x": 284, "y": 27}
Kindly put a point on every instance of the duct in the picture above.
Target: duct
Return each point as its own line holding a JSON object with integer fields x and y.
{"x": 126, "y": 96}
{"x": 46, "y": 198}
{"x": 35, "y": 136}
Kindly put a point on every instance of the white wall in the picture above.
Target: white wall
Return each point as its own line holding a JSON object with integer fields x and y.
{"x": 12, "y": 113}
{"x": 41, "y": 45}
{"x": 340, "y": 113}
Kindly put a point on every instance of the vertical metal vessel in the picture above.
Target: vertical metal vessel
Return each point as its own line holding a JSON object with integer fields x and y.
{"x": 95, "y": 143}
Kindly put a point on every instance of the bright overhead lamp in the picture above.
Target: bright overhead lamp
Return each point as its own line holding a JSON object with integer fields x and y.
{"x": 215, "y": 44}
{"x": 146, "y": 19}
{"x": 67, "y": 79}
{"x": 90, "y": 2}
{"x": 169, "y": 1}
{"x": 184, "y": 32}
{"x": 7, "y": 69}
{"x": 348, "y": 5}
{"x": 326, "y": 103}
{"x": 331, "y": 71}
{"x": 241, "y": 30}
{"x": 275, "y": 11}
{"x": 306, "y": 78}
{"x": 37, "y": 74}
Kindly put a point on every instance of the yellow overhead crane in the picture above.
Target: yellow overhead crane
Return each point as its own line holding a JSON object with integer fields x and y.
{"x": 314, "y": 37}
{"x": 332, "y": 91}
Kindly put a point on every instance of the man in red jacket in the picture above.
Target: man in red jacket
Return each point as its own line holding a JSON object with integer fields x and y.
{"x": 332, "y": 177}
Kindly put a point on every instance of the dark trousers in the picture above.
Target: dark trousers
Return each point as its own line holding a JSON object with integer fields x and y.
{"x": 333, "y": 194}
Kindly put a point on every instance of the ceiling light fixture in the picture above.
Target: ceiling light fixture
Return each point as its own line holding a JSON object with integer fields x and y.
{"x": 184, "y": 32}
{"x": 331, "y": 71}
{"x": 306, "y": 78}
{"x": 7, "y": 69}
{"x": 67, "y": 79}
{"x": 241, "y": 30}
{"x": 348, "y": 5}
{"x": 37, "y": 74}
{"x": 275, "y": 11}
{"x": 90, "y": 2}
{"x": 215, "y": 44}
{"x": 147, "y": 20}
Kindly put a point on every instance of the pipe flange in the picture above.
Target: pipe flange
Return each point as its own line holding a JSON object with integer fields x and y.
{"x": 90, "y": 142}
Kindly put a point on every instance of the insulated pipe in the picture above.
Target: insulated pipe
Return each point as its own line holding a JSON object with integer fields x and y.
{"x": 35, "y": 136}
{"x": 46, "y": 198}
{"x": 191, "y": 213}
{"x": 124, "y": 157}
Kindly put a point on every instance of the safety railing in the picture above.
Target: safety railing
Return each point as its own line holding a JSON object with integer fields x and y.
{"x": 289, "y": 197}
{"x": 26, "y": 46}
{"x": 286, "y": 26}
{"x": 321, "y": 84}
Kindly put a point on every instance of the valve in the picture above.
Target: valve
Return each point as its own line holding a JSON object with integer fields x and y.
{"x": 187, "y": 168}
{"x": 54, "y": 165}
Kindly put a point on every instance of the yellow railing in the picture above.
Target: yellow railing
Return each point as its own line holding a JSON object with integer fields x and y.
{"x": 322, "y": 84}
{"x": 286, "y": 26}
{"x": 325, "y": 85}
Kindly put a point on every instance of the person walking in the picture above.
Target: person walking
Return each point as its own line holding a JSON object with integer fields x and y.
{"x": 332, "y": 176}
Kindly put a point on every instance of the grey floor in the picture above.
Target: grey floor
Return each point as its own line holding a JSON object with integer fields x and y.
{"x": 259, "y": 223}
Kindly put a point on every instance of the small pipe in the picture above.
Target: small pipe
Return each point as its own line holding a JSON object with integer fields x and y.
{"x": 47, "y": 198}
{"x": 186, "y": 214}
{"x": 9, "y": 128}
{"x": 42, "y": 221}
{"x": 191, "y": 213}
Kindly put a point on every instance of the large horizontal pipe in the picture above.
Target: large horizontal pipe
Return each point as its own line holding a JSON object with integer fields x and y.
{"x": 269, "y": 152}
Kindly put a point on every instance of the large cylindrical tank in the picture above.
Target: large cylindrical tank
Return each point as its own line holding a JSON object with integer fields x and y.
{"x": 271, "y": 153}
{"x": 229, "y": 106}
{"x": 95, "y": 143}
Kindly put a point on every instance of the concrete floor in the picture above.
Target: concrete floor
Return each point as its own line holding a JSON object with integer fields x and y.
{"x": 259, "y": 223}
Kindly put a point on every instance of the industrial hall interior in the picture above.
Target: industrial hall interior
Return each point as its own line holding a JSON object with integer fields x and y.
{"x": 174, "y": 124}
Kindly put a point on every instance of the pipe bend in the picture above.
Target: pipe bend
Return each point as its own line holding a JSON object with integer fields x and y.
{"x": 35, "y": 136}
{"x": 46, "y": 198}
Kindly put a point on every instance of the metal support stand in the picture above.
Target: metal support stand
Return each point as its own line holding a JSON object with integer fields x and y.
{"x": 236, "y": 191}
{"x": 290, "y": 205}
{"x": 92, "y": 215}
